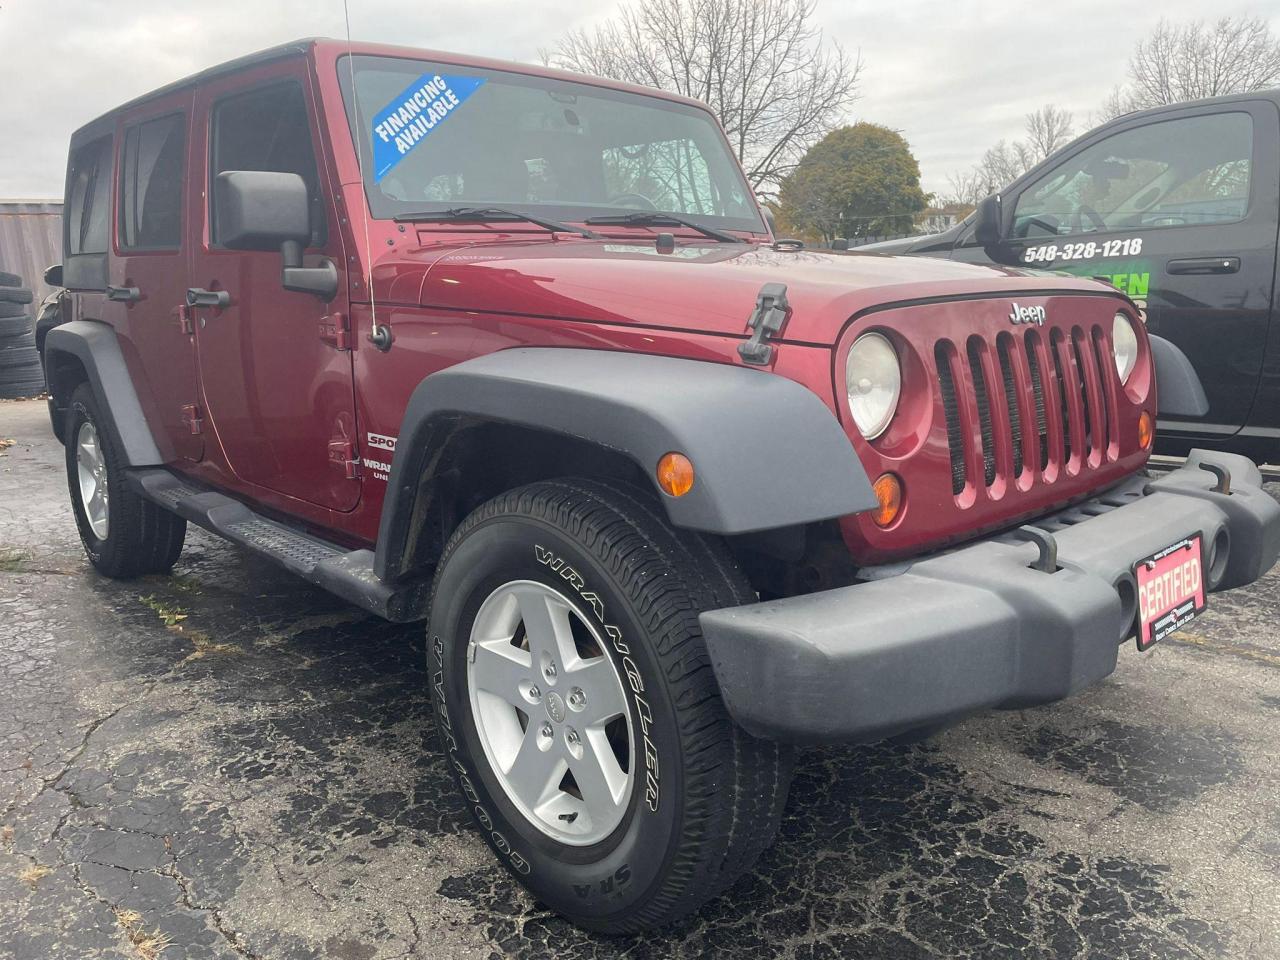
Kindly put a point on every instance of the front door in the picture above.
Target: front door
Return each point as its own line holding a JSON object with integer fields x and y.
{"x": 1178, "y": 211}
{"x": 276, "y": 378}
{"x": 147, "y": 270}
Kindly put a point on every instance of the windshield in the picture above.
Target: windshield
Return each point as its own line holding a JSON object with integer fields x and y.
{"x": 436, "y": 136}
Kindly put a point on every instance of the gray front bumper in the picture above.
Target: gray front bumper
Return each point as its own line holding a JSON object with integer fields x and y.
{"x": 980, "y": 626}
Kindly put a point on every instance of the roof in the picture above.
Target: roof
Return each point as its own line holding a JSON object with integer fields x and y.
{"x": 324, "y": 46}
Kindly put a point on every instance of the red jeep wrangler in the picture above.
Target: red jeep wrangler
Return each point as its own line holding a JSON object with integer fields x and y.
{"x": 515, "y": 352}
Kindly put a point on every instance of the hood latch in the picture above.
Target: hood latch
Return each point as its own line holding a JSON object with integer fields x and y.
{"x": 766, "y": 321}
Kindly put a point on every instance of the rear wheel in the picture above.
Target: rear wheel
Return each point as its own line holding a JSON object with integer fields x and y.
{"x": 579, "y": 711}
{"x": 124, "y": 534}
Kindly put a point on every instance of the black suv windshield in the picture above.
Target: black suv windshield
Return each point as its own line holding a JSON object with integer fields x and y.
{"x": 436, "y": 136}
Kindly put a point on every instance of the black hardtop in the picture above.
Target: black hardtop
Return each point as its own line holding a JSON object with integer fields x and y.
{"x": 100, "y": 125}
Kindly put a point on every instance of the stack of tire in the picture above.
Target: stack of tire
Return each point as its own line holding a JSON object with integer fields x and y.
{"x": 21, "y": 374}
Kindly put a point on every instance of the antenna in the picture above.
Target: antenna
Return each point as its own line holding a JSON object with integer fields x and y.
{"x": 379, "y": 336}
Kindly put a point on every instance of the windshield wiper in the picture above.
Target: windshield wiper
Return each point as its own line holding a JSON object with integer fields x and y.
{"x": 644, "y": 219}
{"x": 491, "y": 215}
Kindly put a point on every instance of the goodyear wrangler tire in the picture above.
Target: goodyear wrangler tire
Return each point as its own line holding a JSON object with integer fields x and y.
{"x": 10, "y": 279}
{"x": 579, "y": 712}
{"x": 124, "y": 534}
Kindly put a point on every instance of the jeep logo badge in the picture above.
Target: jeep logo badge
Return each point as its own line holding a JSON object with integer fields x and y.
{"x": 1034, "y": 315}
{"x": 555, "y": 707}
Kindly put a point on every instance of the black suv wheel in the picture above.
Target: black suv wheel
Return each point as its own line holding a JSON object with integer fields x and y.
{"x": 123, "y": 534}
{"x": 580, "y": 714}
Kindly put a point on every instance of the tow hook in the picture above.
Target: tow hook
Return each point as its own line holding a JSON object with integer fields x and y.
{"x": 766, "y": 321}
{"x": 1222, "y": 473}
{"x": 1047, "y": 562}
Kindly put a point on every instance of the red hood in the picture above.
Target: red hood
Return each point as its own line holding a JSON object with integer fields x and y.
{"x": 705, "y": 288}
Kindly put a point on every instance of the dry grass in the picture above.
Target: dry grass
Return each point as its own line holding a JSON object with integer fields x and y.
{"x": 6, "y": 835}
{"x": 148, "y": 946}
{"x": 172, "y": 616}
{"x": 34, "y": 874}
{"x": 6, "y": 443}
{"x": 14, "y": 559}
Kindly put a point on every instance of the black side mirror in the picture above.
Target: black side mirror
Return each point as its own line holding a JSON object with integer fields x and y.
{"x": 53, "y": 275}
{"x": 263, "y": 210}
{"x": 987, "y": 225}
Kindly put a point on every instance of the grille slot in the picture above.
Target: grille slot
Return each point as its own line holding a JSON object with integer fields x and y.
{"x": 951, "y": 410}
{"x": 1003, "y": 344}
{"x": 984, "y": 409}
{"x": 1090, "y": 441}
{"x": 1102, "y": 357}
{"x": 1037, "y": 388}
{"x": 1062, "y": 386}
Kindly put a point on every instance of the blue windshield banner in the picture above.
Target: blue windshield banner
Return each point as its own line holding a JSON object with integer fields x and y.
{"x": 405, "y": 122}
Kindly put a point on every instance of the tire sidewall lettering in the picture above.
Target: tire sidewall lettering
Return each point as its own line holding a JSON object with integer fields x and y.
{"x": 518, "y": 862}
{"x": 642, "y": 712}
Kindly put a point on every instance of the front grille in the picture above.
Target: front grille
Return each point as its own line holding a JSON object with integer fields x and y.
{"x": 1031, "y": 404}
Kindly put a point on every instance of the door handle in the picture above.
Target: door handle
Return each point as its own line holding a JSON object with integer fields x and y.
{"x": 1204, "y": 265}
{"x": 123, "y": 294}
{"x": 199, "y": 297}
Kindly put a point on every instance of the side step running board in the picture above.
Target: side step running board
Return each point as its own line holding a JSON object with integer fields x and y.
{"x": 347, "y": 573}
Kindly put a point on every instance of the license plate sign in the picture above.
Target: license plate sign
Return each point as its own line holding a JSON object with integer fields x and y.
{"x": 1170, "y": 590}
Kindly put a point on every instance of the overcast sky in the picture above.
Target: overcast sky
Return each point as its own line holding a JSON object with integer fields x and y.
{"x": 953, "y": 76}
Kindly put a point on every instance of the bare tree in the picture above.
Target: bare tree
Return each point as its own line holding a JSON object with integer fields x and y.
{"x": 1196, "y": 60}
{"x": 761, "y": 65}
{"x": 1047, "y": 129}
{"x": 965, "y": 189}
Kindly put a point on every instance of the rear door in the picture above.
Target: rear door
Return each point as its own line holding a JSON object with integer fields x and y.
{"x": 147, "y": 271}
{"x": 1179, "y": 211}
{"x": 275, "y": 374}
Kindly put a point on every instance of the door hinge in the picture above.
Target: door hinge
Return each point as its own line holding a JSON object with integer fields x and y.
{"x": 342, "y": 451}
{"x": 192, "y": 418}
{"x": 336, "y": 329}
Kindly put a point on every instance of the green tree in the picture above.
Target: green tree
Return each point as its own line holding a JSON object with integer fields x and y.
{"x": 857, "y": 181}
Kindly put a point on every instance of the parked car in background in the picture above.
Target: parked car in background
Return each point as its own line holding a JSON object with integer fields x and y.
{"x": 1178, "y": 207}
{"x": 513, "y": 352}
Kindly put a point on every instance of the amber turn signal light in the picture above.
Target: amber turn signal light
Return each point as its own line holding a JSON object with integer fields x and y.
{"x": 1146, "y": 430}
{"x": 888, "y": 489}
{"x": 675, "y": 474}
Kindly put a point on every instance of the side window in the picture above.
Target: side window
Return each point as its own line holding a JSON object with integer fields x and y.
{"x": 88, "y": 199}
{"x": 267, "y": 129}
{"x": 1174, "y": 173}
{"x": 151, "y": 171}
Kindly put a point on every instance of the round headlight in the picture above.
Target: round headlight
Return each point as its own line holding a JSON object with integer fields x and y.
{"x": 873, "y": 379}
{"x": 1124, "y": 344}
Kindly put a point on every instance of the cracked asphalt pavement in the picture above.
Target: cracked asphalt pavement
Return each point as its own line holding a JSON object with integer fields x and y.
{"x": 229, "y": 763}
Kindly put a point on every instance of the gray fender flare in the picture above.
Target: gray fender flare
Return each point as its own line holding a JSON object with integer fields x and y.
{"x": 767, "y": 453}
{"x": 97, "y": 349}
{"x": 1179, "y": 392}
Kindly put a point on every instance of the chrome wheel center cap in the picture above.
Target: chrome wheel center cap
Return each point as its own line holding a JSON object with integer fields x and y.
{"x": 555, "y": 708}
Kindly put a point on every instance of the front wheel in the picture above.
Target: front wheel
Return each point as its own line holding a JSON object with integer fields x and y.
{"x": 579, "y": 712}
